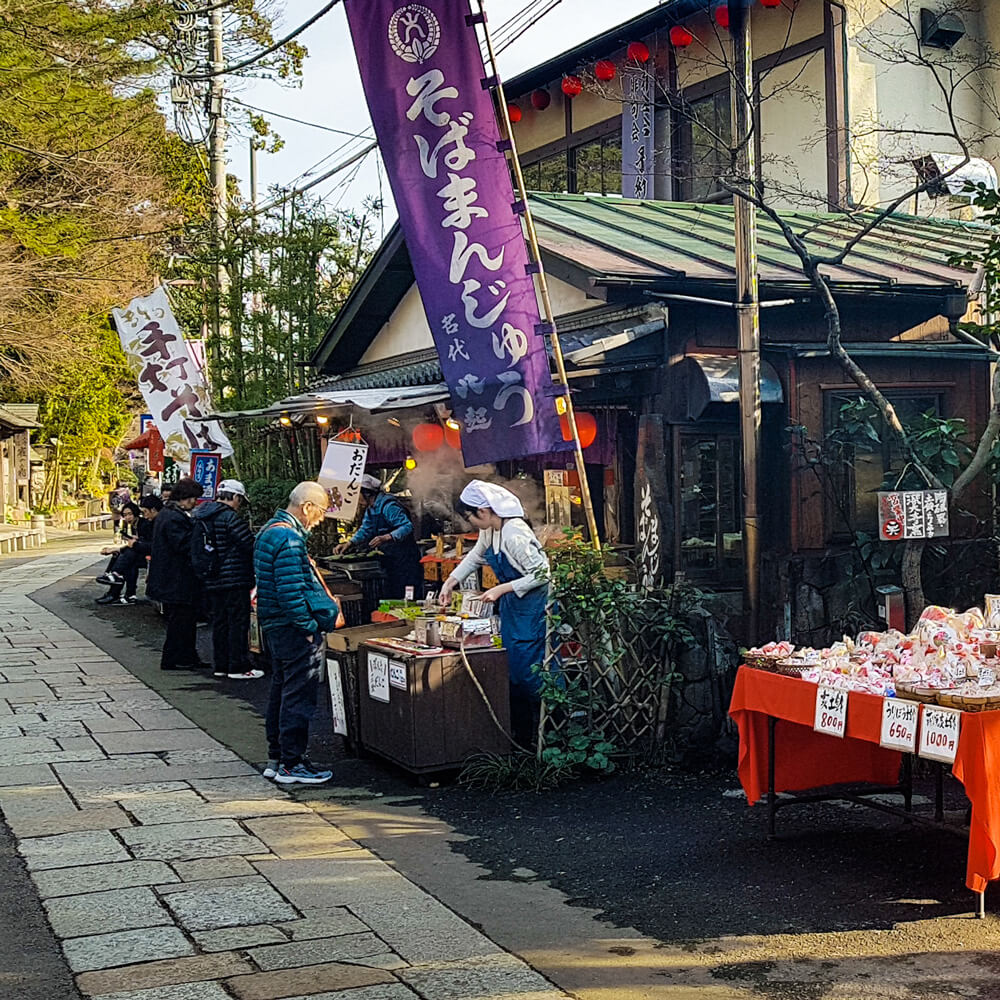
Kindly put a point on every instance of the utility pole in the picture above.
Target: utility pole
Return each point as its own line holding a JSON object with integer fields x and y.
{"x": 217, "y": 170}
{"x": 747, "y": 299}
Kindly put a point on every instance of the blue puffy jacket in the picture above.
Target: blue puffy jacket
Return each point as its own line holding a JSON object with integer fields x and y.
{"x": 288, "y": 590}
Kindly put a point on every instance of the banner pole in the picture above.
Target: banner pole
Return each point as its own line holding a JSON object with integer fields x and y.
{"x": 507, "y": 133}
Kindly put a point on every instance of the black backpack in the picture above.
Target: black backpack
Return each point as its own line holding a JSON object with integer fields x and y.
{"x": 204, "y": 548}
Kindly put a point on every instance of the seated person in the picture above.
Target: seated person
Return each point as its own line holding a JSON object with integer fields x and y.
{"x": 130, "y": 557}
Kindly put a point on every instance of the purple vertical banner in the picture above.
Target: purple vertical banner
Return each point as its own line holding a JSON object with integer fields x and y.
{"x": 423, "y": 77}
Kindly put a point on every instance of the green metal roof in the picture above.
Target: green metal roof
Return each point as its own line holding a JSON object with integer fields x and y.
{"x": 622, "y": 240}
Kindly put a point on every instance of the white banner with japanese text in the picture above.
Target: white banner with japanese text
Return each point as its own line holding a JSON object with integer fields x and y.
{"x": 340, "y": 476}
{"x": 169, "y": 377}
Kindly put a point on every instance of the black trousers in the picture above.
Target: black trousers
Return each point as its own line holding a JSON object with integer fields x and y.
{"x": 230, "y": 611}
{"x": 179, "y": 644}
{"x": 128, "y": 564}
{"x": 296, "y": 665}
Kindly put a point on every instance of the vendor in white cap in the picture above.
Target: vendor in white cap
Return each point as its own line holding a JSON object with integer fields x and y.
{"x": 387, "y": 526}
{"x": 509, "y": 547}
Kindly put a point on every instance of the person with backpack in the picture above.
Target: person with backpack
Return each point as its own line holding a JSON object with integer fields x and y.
{"x": 222, "y": 557}
{"x": 295, "y": 611}
{"x": 171, "y": 579}
{"x": 387, "y": 526}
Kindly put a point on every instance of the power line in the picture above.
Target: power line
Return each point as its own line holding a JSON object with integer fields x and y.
{"x": 265, "y": 52}
{"x": 298, "y": 121}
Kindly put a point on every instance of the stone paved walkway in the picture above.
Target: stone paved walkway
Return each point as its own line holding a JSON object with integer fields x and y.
{"x": 170, "y": 870}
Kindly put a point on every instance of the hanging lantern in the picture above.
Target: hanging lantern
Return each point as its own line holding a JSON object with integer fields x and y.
{"x": 514, "y": 113}
{"x": 453, "y": 434}
{"x": 721, "y": 15}
{"x": 770, "y": 3}
{"x": 586, "y": 428}
{"x": 638, "y": 52}
{"x": 605, "y": 70}
{"x": 428, "y": 437}
{"x": 680, "y": 37}
{"x": 540, "y": 99}
{"x": 571, "y": 85}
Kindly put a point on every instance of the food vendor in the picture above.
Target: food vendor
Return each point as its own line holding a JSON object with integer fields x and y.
{"x": 387, "y": 526}
{"x": 509, "y": 547}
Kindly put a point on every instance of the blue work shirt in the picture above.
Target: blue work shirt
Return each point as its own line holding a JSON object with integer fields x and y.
{"x": 385, "y": 515}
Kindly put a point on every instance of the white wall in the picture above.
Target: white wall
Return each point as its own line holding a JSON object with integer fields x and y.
{"x": 407, "y": 330}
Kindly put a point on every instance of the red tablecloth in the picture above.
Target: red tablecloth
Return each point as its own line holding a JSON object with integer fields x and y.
{"x": 807, "y": 759}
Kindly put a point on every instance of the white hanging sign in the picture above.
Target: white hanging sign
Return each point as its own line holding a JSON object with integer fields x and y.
{"x": 343, "y": 467}
{"x": 939, "y": 732}
{"x": 378, "y": 677}
{"x": 899, "y": 724}
{"x": 169, "y": 377}
{"x": 338, "y": 708}
{"x": 831, "y": 711}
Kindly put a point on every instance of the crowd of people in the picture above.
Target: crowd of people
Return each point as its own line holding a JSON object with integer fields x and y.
{"x": 204, "y": 556}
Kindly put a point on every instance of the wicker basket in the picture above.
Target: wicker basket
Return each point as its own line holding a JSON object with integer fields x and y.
{"x": 769, "y": 663}
{"x": 969, "y": 703}
{"x": 929, "y": 696}
{"x": 793, "y": 668}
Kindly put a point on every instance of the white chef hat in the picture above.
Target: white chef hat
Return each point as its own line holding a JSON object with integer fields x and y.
{"x": 370, "y": 483}
{"x": 499, "y": 499}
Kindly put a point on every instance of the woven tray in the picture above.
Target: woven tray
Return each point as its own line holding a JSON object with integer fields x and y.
{"x": 929, "y": 696}
{"x": 793, "y": 668}
{"x": 969, "y": 703}
{"x": 769, "y": 663}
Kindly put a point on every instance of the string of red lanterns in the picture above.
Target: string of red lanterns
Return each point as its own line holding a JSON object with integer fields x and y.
{"x": 572, "y": 86}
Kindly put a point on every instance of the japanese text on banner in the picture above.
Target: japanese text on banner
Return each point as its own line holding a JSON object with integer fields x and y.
{"x": 343, "y": 467}
{"x": 423, "y": 77}
{"x": 170, "y": 380}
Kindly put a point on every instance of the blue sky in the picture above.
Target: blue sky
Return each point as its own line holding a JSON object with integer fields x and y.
{"x": 330, "y": 92}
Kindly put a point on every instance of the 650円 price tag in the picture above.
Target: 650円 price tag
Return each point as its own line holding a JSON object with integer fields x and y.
{"x": 899, "y": 724}
{"x": 939, "y": 732}
{"x": 831, "y": 711}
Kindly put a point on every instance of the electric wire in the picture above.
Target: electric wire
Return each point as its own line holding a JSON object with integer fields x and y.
{"x": 298, "y": 121}
{"x": 226, "y": 70}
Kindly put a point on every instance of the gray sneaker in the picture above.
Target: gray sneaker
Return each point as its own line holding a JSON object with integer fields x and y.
{"x": 270, "y": 769}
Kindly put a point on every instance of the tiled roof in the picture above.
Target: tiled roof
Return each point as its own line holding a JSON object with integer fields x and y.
{"x": 650, "y": 241}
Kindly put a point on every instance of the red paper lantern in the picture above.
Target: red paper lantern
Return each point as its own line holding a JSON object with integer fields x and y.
{"x": 770, "y": 3}
{"x": 428, "y": 437}
{"x": 540, "y": 100}
{"x": 453, "y": 437}
{"x": 638, "y": 52}
{"x": 722, "y": 15}
{"x": 514, "y": 113}
{"x": 586, "y": 428}
{"x": 572, "y": 85}
{"x": 605, "y": 70}
{"x": 680, "y": 37}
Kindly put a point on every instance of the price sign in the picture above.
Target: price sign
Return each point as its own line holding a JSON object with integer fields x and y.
{"x": 338, "y": 708}
{"x": 831, "y": 711}
{"x": 378, "y": 677}
{"x": 899, "y": 724}
{"x": 987, "y": 677}
{"x": 397, "y": 675}
{"x": 939, "y": 731}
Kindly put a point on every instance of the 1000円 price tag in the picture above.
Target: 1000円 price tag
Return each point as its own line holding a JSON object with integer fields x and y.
{"x": 831, "y": 711}
{"x": 939, "y": 732}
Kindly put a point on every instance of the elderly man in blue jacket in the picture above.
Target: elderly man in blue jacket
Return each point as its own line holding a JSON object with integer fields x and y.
{"x": 295, "y": 613}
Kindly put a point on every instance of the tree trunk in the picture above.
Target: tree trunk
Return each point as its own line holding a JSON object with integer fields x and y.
{"x": 913, "y": 587}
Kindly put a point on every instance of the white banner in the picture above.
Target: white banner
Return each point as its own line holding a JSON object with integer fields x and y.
{"x": 343, "y": 466}
{"x": 169, "y": 377}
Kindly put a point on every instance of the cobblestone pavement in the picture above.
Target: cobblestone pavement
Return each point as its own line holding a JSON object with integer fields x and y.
{"x": 169, "y": 869}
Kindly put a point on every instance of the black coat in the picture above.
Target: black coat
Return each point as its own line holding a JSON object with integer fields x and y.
{"x": 171, "y": 578}
{"x": 233, "y": 544}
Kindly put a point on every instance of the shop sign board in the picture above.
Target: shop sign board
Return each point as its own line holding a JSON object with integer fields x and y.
{"x": 637, "y": 131}
{"x": 906, "y": 514}
{"x": 205, "y": 469}
{"x": 338, "y": 707}
{"x": 939, "y": 732}
{"x": 378, "y": 677}
{"x": 340, "y": 476}
{"x": 831, "y": 711}
{"x": 397, "y": 675}
{"x": 899, "y": 724}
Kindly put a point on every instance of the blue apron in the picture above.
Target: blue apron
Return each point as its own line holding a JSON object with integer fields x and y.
{"x": 522, "y": 625}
